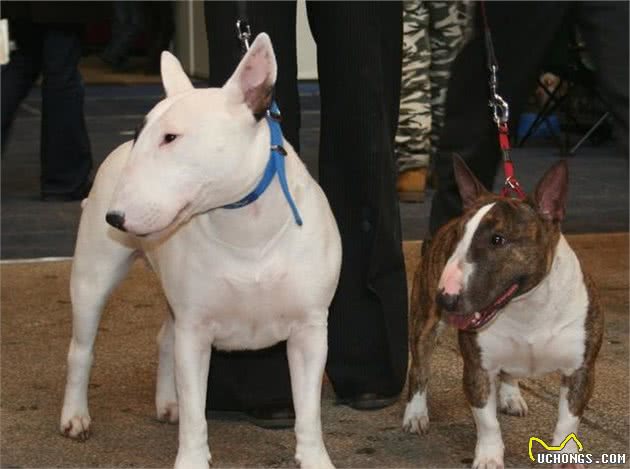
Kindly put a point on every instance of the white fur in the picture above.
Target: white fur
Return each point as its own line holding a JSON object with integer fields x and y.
{"x": 174, "y": 79}
{"x": 489, "y": 448}
{"x": 458, "y": 270}
{"x": 236, "y": 279}
{"x": 567, "y": 424}
{"x": 510, "y": 399}
{"x": 542, "y": 330}
{"x": 416, "y": 418}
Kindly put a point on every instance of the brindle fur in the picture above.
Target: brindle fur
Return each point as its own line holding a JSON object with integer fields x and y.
{"x": 532, "y": 232}
{"x": 581, "y": 381}
{"x": 476, "y": 380}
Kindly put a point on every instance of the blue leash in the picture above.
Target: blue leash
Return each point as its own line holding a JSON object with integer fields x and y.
{"x": 275, "y": 165}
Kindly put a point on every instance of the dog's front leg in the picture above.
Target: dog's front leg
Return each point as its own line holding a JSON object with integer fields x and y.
{"x": 480, "y": 390}
{"x": 102, "y": 258}
{"x": 166, "y": 392}
{"x": 307, "y": 348}
{"x": 192, "y": 362}
{"x": 575, "y": 392}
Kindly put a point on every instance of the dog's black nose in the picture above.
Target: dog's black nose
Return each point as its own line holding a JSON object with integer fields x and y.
{"x": 447, "y": 301}
{"x": 116, "y": 219}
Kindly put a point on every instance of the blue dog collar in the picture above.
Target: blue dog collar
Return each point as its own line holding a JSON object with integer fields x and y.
{"x": 275, "y": 165}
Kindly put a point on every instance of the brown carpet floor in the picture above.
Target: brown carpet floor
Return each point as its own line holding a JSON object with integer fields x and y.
{"x": 35, "y": 334}
{"x": 95, "y": 72}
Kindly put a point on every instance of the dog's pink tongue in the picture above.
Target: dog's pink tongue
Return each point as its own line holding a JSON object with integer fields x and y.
{"x": 461, "y": 321}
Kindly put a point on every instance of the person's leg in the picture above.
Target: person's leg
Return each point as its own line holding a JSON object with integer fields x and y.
{"x": 359, "y": 47}
{"x": 127, "y": 24}
{"x": 447, "y": 26}
{"x": 414, "y": 121}
{"x": 224, "y": 49}
{"x": 604, "y": 26}
{"x": 65, "y": 146}
{"x": 251, "y": 381}
{"x": 21, "y": 72}
{"x": 160, "y": 28}
{"x": 521, "y": 32}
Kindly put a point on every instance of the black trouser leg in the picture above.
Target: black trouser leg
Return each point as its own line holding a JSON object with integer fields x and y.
{"x": 274, "y": 18}
{"x": 245, "y": 380}
{"x": 521, "y": 32}
{"x": 160, "y": 26}
{"x": 19, "y": 75}
{"x": 604, "y": 26}
{"x": 359, "y": 62}
{"x": 65, "y": 147}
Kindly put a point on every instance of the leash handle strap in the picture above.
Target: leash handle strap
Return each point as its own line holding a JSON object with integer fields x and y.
{"x": 500, "y": 114}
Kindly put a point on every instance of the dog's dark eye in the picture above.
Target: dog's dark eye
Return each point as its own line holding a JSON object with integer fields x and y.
{"x": 497, "y": 240}
{"x": 168, "y": 138}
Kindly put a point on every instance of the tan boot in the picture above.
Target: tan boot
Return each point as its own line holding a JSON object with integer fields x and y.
{"x": 411, "y": 185}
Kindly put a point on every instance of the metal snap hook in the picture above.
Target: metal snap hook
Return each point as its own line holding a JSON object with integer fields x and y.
{"x": 243, "y": 32}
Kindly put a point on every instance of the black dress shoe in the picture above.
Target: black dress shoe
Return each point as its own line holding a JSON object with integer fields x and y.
{"x": 270, "y": 418}
{"x": 77, "y": 194}
{"x": 368, "y": 401}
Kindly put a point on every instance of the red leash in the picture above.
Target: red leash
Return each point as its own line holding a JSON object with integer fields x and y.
{"x": 500, "y": 115}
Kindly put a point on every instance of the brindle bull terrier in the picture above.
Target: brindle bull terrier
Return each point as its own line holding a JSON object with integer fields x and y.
{"x": 504, "y": 275}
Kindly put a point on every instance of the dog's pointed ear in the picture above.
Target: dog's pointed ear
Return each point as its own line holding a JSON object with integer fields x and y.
{"x": 551, "y": 192}
{"x": 255, "y": 76}
{"x": 470, "y": 189}
{"x": 174, "y": 79}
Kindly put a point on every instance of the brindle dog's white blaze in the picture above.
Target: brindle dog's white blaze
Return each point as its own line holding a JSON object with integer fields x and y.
{"x": 458, "y": 270}
{"x": 230, "y": 276}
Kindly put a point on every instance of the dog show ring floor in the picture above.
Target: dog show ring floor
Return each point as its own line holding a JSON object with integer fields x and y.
{"x": 36, "y": 328}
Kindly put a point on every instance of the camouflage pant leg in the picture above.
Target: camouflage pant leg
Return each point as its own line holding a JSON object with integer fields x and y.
{"x": 433, "y": 34}
{"x": 414, "y": 122}
{"x": 447, "y": 31}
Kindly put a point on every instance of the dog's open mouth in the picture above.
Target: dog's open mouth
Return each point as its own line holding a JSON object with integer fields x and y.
{"x": 476, "y": 320}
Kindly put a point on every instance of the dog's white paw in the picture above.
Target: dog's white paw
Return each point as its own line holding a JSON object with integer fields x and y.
{"x": 416, "y": 418}
{"x": 76, "y": 426}
{"x": 313, "y": 459}
{"x": 198, "y": 459}
{"x": 511, "y": 401}
{"x": 488, "y": 457}
{"x": 168, "y": 412}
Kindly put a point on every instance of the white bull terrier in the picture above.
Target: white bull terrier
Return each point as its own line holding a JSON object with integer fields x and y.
{"x": 235, "y": 279}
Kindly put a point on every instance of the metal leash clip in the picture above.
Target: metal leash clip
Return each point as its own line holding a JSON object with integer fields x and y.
{"x": 243, "y": 32}
{"x": 500, "y": 108}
